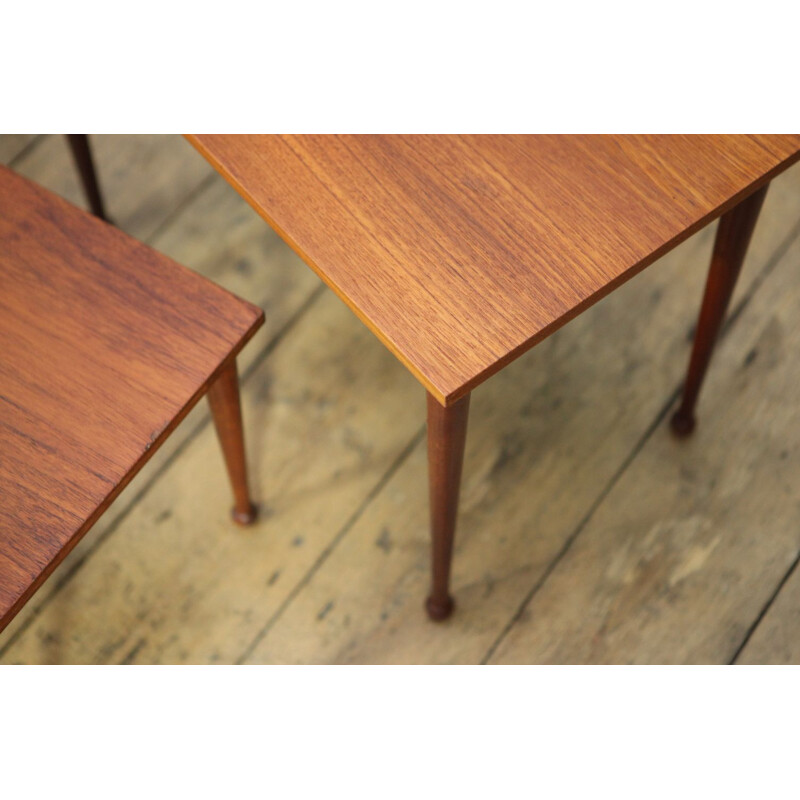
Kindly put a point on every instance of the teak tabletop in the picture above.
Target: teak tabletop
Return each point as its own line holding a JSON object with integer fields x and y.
{"x": 461, "y": 252}
{"x": 105, "y": 345}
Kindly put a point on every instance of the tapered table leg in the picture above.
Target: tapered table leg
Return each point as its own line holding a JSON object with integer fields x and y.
{"x": 447, "y": 433}
{"x": 223, "y": 397}
{"x": 733, "y": 237}
{"x": 82, "y": 153}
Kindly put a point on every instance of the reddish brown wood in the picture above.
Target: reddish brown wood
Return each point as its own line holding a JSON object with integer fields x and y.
{"x": 461, "y": 252}
{"x": 223, "y": 397}
{"x": 730, "y": 247}
{"x": 105, "y": 345}
{"x": 82, "y": 153}
{"x": 447, "y": 434}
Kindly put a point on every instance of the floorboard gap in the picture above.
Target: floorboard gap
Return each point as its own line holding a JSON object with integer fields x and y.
{"x": 752, "y": 629}
{"x": 582, "y": 524}
{"x": 27, "y": 149}
{"x": 734, "y": 315}
{"x": 323, "y": 556}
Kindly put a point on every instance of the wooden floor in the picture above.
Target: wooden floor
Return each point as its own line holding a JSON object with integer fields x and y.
{"x": 587, "y": 534}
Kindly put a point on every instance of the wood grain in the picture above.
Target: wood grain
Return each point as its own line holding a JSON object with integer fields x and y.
{"x": 461, "y": 252}
{"x": 104, "y": 346}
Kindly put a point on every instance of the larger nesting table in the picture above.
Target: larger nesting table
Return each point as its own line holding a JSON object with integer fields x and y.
{"x": 462, "y": 252}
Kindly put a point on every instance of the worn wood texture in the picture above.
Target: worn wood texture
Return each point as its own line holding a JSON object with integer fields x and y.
{"x": 12, "y": 145}
{"x": 104, "y": 346}
{"x": 329, "y": 574}
{"x": 461, "y": 252}
{"x": 776, "y": 640}
{"x": 687, "y": 548}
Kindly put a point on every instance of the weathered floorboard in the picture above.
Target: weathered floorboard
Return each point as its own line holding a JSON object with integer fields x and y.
{"x": 12, "y": 144}
{"x": 776, "y": 640}
{"x": 688, "y": 547}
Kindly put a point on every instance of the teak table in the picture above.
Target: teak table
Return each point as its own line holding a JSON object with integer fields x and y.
{"x": 462, "y": 252}
{"x": 105, "y": 346}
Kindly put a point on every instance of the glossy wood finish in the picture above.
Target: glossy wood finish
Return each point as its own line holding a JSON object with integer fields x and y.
{"x": 730, "y": 247}
{"x": 105, "y": 345}
{"x": 223, "y": 397}
{"x": 461, "y": 252}
{"x": 447, "y": 435}
{"x": 82, "y": 153}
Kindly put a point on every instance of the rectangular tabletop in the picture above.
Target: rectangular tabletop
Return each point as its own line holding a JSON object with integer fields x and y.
{"x": 104, "y": 346}
{"x": 461, "y": 252}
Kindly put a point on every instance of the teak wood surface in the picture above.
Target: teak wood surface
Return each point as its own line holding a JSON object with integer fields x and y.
{"x": 461, "y": 252}
{"x": 105, "y": 345}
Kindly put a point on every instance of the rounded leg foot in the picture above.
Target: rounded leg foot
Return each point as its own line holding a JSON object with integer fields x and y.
{"x": 439, "y": 610}
{"x": 245, "y": 517}
{"x": 682, "y": 423}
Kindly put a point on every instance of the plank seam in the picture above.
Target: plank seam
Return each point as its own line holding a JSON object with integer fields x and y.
{"x": 325, "y": 554}
{"x": 773, "y": 597}
{"x": 654, "y": 424}
{"x": 26, "y": 150}
{"x": 758, "y": 280}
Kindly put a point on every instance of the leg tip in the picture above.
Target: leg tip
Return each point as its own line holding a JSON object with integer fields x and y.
{"x": 247, "y": 517}
{"x": 439, "y": 610}
{"x": 682, "y": 424}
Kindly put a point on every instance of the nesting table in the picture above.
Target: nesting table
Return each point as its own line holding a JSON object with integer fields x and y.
{"x": 462, "y": 252}
{"x": 105, "y": 345}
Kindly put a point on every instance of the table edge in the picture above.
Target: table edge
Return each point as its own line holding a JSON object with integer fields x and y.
{"x": 146, "y": 455}
{"x": 447, "y": 396}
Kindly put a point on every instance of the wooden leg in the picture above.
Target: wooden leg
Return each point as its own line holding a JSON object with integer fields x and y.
{"x": 82, "y": 153}
{"x": 447, "y": 433}
{"x": 733, "y": 236}
{"x": 223, "y": 397}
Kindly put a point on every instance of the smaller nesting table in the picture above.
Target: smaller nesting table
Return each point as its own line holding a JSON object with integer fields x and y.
{"x": 105, "y": 345}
